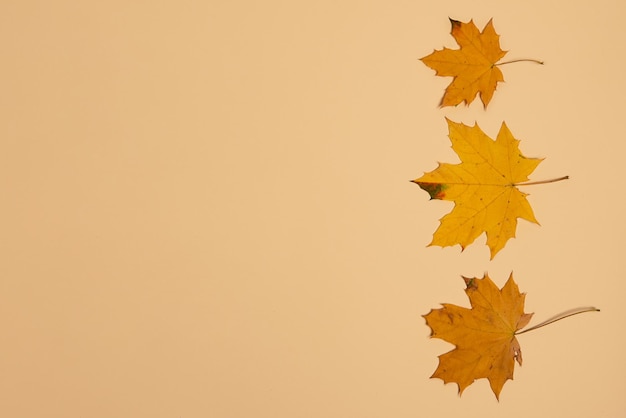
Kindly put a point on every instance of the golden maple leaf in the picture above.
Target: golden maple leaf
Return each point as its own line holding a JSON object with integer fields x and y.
{"x": 473, "y": 66}
{"x": 483, "y": 187}
{"x": 486, "y": 346}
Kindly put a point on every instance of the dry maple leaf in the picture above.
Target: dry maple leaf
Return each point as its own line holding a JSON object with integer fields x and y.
{"x": 483, "y": 188}
{"x": 474, "y": 66}
{"x": 484, "y": 335}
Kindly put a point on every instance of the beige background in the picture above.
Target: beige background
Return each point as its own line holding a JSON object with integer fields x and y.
{"x": 206, "y": 209}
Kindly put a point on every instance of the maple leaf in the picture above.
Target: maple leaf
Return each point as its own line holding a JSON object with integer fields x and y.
{"x": 474, "y": 66}
{"x": 483, "y": 188}
{"x": 484, "y": 336}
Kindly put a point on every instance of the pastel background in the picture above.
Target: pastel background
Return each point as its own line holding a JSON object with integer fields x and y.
{"x": 206, "y": 208}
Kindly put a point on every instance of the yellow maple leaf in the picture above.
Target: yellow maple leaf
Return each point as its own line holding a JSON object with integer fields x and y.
{"x": 474, "y": 66}
{"x": 483, "y": 187}
{"x": 486, "y": 346}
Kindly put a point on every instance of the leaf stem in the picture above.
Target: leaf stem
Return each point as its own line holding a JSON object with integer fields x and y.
{"x": 520, "y": 60}
{"x": 560, "y": 316}
{"x": 530, "y": 183}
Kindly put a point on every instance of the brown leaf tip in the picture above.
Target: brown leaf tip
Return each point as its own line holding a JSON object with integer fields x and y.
{"x": 470, "y": 282}
{"x": 435, "y": 190}
{"x": 454, "y": 23}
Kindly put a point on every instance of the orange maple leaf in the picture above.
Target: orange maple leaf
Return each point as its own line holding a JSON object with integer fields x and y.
{"x": 483, "y": 188}
{"x": 473, "y": 66}
{"x": 485, "y": 335}
{"x": 486, "y": 346}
